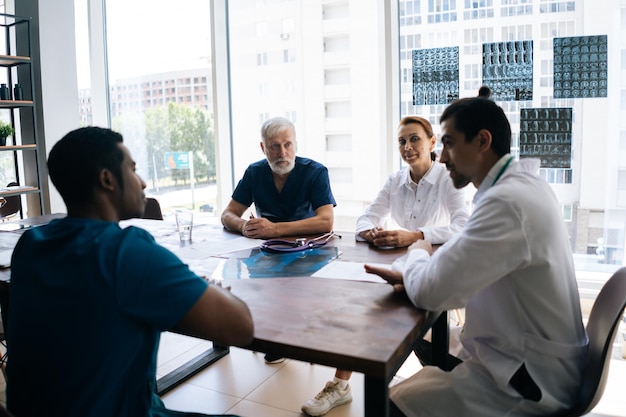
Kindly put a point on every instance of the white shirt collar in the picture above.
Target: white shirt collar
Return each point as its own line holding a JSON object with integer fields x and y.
{"x": 429, "y": 176}
{"x": 491, "y": 176}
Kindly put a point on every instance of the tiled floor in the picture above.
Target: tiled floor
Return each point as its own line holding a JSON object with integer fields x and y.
{"x": 242, "y": 383}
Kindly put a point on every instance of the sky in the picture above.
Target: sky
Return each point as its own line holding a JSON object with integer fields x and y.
{"x": 147, "y": 37}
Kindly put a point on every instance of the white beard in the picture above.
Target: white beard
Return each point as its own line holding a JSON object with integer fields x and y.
{"x": 282, "y": 170}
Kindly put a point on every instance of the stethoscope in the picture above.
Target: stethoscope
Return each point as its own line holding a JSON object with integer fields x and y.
{"x": 300, "y": 244}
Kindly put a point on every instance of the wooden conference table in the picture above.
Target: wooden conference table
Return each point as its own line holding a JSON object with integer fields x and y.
{"x": 346, "y": 323}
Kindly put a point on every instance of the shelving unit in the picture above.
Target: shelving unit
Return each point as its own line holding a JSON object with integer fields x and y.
{"x": 17, "y": 62}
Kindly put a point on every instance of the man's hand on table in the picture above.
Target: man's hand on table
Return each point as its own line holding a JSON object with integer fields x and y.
{"x": 259, "y": 228}
{"x": 391, "y": 276}
{"x": 217, "y": 283}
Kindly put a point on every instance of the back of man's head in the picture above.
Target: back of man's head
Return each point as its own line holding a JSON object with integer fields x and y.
{"x": 76, "y": 160}
{"x": 484, "y": 91}
{"x": 476, "y": 113}
{"x": 271, "y": 127}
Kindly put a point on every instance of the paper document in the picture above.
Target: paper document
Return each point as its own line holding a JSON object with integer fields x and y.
{"x": 239, "y": 243}
{"x": 353, "y": 271}
{"x": 5, "y": 258}
{"x": 206, "y": 248}
{"x": 205, "y": 267}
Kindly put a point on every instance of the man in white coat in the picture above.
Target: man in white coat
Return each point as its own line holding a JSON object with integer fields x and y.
{"x": 523, "y": 343}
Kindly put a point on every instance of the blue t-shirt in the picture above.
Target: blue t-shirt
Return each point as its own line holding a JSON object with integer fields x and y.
{"x": 88, "y": 303}
{"x": 307, "y": 188}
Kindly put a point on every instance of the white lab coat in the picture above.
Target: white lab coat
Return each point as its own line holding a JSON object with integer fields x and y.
{"x": 512, "y": 269}
{"x": 432, "y": 206}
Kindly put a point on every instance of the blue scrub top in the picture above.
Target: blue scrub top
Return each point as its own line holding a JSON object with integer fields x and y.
{"x": 307, "y": 188}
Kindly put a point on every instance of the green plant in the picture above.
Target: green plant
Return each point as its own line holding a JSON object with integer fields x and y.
{"x": 6, "y": 130}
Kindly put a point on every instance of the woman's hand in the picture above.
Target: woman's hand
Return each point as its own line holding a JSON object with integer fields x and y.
{"x": 394, "y": 238}
{"x": 371, "y": 234}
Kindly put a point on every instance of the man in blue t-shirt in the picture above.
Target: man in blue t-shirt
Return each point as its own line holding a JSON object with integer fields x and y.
{"x": 89, "y": 299}
{"x": 292, "y": 195}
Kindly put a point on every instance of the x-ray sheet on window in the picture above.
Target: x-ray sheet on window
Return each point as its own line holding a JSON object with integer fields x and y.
{"x": 547, "y": 134}
{"x": 435, "y": 76}
{"x": 580, "y": 67}
{"x": 508, "y": 70}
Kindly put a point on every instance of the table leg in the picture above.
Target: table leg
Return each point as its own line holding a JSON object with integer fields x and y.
{"x": 376, "y": 397}
{"x": 440, "y": 342}
{"x": 189, "y": 369}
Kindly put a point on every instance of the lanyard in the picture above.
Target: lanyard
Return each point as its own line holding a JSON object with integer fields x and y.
{"x": 502, "y": 170}
{"x": 282, "y": 245}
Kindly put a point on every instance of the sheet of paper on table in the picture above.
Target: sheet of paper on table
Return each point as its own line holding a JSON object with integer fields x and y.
{"x": 5, "y": 258}
{"x": 205, "y": 267}
{"x": 353, "y": 271}
{"x": 13, "y": 227}
{"x": 205, "y": 248}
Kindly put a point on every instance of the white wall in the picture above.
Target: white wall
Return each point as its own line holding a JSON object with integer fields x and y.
{"x": 54, "y": 21}
{"x": 600, "y": 127}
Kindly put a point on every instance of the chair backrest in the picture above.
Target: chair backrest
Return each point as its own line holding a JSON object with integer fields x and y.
{"x": 13, "y": 204}
{"x": 153, "y": 209}
{"x": 602, "y": 326}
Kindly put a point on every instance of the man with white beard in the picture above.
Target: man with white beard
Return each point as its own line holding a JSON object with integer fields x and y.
{"x": 292, "y": 195}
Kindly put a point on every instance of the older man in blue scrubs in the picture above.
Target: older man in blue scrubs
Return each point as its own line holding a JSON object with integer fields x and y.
{"x": 292, "y": 195}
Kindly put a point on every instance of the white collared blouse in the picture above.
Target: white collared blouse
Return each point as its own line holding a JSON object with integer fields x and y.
{"x": 432, "y": 206}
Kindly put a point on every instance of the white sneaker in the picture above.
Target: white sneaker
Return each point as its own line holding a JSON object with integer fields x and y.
{"x": 331, "y": 396}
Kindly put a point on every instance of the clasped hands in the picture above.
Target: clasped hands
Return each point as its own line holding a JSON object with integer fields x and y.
{"x": 391, "y": 238}
{"x": 259, "y": 228}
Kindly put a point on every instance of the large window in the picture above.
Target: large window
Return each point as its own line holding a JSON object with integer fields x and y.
{"x": 592, "y": 193}
{"x": 160, "y": 96}
{"x": 324, "y": 65}
{"x": 316, "y": 66}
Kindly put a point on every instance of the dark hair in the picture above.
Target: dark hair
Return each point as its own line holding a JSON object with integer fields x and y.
{"x": 484, "y": 91}
{"x": 428, "y": 128}
{"x": 76, "y": 160}
{"x": 476, "y": 113}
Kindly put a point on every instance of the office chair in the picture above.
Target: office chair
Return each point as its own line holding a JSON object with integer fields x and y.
{"x": 602, "y": 326}
{"x": 153, "y": 209}
{"x": 12, "y": 206}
